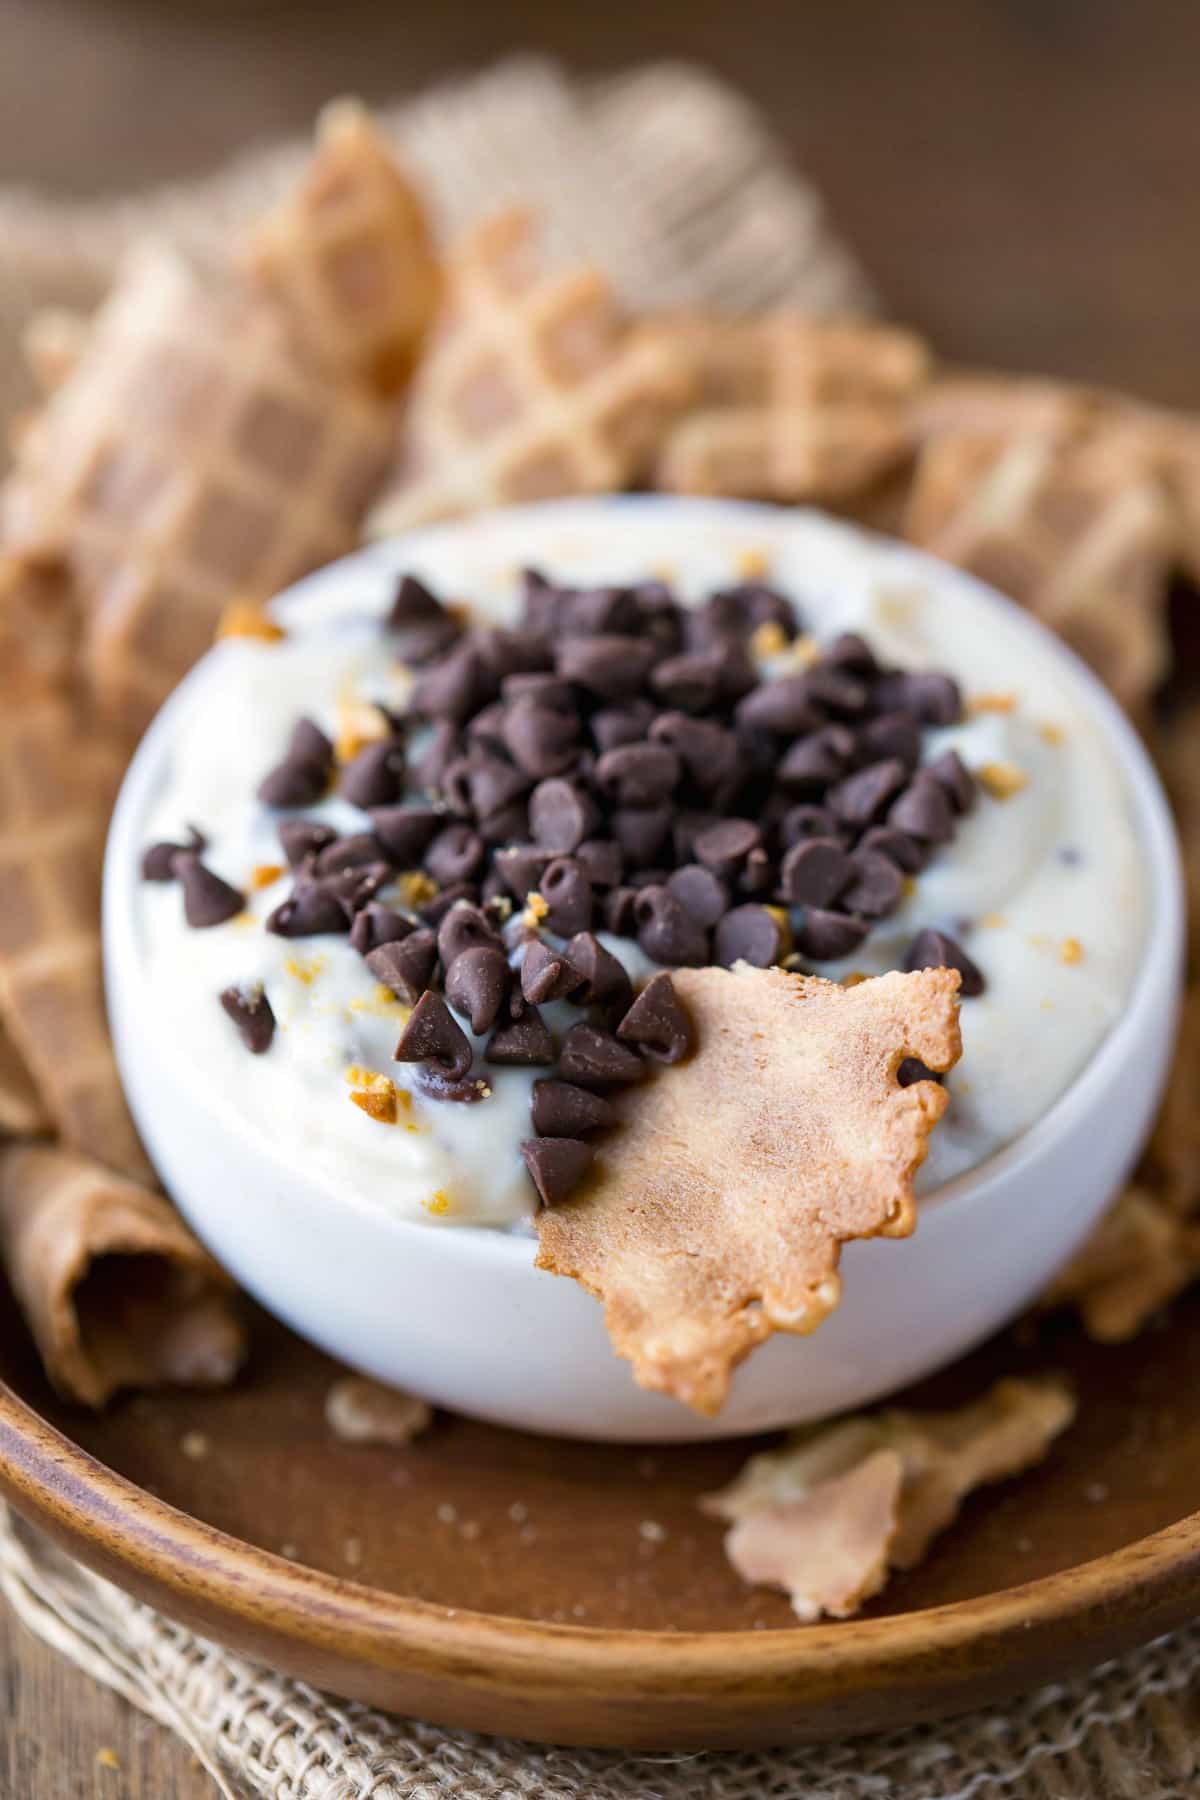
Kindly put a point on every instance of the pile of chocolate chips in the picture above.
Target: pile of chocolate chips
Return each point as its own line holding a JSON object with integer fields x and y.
{"x": 615, "y": 762}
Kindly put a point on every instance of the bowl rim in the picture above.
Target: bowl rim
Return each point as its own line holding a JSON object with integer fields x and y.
{"x": 1159, "y": 967}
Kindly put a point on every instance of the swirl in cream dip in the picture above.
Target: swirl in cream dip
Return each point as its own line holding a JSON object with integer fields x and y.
{"x": 1042, "y": 884}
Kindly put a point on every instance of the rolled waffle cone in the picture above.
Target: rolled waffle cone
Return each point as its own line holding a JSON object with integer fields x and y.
{"x": 349, "y": 256}
{"x": 116, "y": 1290}
{"x": 57, "y": 783}
{"x": 792, "y": 409}
{"x": 534, "y": 387}
{"x": 1073, "y": 524}
{"x": 187, "y": 458}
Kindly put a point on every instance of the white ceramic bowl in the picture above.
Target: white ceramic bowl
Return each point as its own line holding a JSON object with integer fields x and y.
{"x": 462, "y": 1316}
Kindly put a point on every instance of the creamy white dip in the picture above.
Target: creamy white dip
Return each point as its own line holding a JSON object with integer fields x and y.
{"x": 1043, "y": 886}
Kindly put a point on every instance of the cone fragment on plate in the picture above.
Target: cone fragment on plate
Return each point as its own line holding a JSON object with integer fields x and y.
{"x": 360, "y": 1411}
{"x": 716, "y": 1214}
{"x": 116, "y": 1290}
{"x": 828, "y": 1515}
{"x": 348, "y": 255}
{"x": 22, "y": 1110}
{"x": 1139, "y": 1257}
{"x": 1074, "y": 525}
{"x": 793, "y": 408}
{"x": 58, "y": 777}
{"x": 534, "y": 386}
{"x": 189, "y": 457}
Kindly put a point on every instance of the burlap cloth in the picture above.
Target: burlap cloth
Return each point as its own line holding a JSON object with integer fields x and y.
{"x": 670, "y": 180}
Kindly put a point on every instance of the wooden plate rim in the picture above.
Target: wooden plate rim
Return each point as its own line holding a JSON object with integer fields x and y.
{"x": 82, "y": 1501}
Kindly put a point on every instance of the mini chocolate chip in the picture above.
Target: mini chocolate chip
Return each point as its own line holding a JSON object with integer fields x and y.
{"x": 547, "y": 974}
{"x": 667, "y": 932}
{"x": 658, "y": 613}
{"x": 441, "y": 749}
{"x": 508, "y": 826}
{"x": 303, "y": 775}
{"x": 250, "y": 1010}
{"x": 913, "y": 1069}
{"x": 937, "y": 950}
{"x": 784, "y": 706}
{"x": 690, "y": 682}
{"x": 642, "y": 832}
{"x": 594, "y": 1058}
{"x": 405, "y": 965}
{"x": 638, "y": 774}
{"x": 619, "y": 909}
{"x": 432, "y": 912}
{"x": 606, "y": 981}
{"x": 207, "y": 900}
{"x": 908, "y": 853}
{"x": 814, "y": 872}
{"x": 541, "y": 601}
{"x": 511, "y": 650}
{"x": 749, "y": 934}
{"x": 588, "y": 611}
{"x": 556, "y": 1166}
{"x": 658, "y": 1023}
{"x": 686, "y": 829}
{"x": 562, "y": 1110}
{"x": 456, "y": 854}
{"x": 561, "y": 814}
{"x": 464, "y": 927}
{"x": 799, "y": 823}
{"x": 877, "y": 885}
{"x": 454, "y": 687}
{"x": 923, "y": 810}
{"x": 935, "y": 699}
{"x": 351, "y": 888}
{"x": 757, "y": 875}
{"x": 310, "y": 911}
{"x": 701, "y": 893}
{"x": 477, "y": 982}
{"x": 613, "y": 726}
{"x": 834, "y": 690}
{"x": 404, "y": 831}
{"x": 850, "y": 651}
{"x": 302, "y": 838}
{"x": 485, "y": 729}
{"x": 568, "y": 894}
{"x": 859, "y": 799}
{"x": 523, "y": 1041}
{"x": 541, "y": 689}
{"x": 608, "y": 665}
{"x": 827, "y": 936}
{"x": 542, "y": 740}
{"x": 601, "y": 861}
{"x": 724, "y": 848}
{"x": 419, "y": 623}
{"x": 376, "y": 924}
{"x": 815, "y": 761}
{"x": 955, "y": 777}
{"x": 893, "y": 734}
{"x": 158, "y": 860}
{"x": 431, "y": 1035}
{"x": 375, "y": 777}
{"x": 358, "y": 850}
{"x": 493, "y": 785}
{"x": 708, "y": 751}
{"x": 521, "y": 867}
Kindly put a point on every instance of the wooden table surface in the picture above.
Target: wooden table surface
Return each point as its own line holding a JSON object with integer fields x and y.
{"x": 1018, "y": 175}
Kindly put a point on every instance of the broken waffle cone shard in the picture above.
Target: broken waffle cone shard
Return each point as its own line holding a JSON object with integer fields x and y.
{"x": 1140, "y": 1256}
{"x": 715, "y": 1215}
{"x": 58, "y": 777}
{"x": 116, "y": 1290}
{"x": 361, "y": 1411}
{"x": 348, "y": 255}
{"x": 827, "y": 1515}
{"x": 534, "y": 385}
{"x": 190, "y": 456}
{"x": 22, "y": 1110}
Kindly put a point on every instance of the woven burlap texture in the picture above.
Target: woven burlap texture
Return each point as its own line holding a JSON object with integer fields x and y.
{"x": 669, "y": 180}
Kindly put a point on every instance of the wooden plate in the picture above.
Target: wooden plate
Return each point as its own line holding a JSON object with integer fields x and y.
{"x": 572, "y": 1592}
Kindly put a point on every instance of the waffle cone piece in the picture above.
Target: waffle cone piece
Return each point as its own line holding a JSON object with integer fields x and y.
{"x": 1074, "y": 524}
{"x": 535, "y": 386}
{"x": 185, "y": 459}
{"x": 349, "y": 257}
{"x": 22, "y": 1110}
{"x": 715, "y": 1216}
{"x": 116, "y": 1290}
{"x": 793, "y": 409}
{"x": 828, "y": 1515}
{"x": 58, "y": 779}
